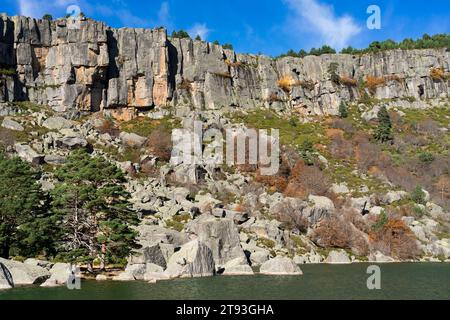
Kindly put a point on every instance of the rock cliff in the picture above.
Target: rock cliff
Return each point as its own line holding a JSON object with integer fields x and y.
{"x": 91, "y": 67}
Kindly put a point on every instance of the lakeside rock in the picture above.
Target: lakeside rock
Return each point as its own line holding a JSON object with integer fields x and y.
{"x": 6, "y": 281}
{"x": 195, "y": 259}
{"x": 59, "y": 275}
{"x": 221, "y": 236}
{"x": 338, "y": 257}
{"x": 25, "y": 274}
{"x": 280, "y": 266}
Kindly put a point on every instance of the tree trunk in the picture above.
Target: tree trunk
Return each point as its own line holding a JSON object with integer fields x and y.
{"x": 103, "y": 258}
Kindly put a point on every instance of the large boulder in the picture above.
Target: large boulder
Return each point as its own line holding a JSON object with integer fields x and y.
{"x": 157, "y": 244}
{"x": 54, "y": 159}
{"x": 237, "y": 267}
{"x": 70, "y": 142}
{"x": 151, "y": 234}
{"x": 281, "y": 266}
{"x": 258, "y": 257}
{"x": 195, "y": 259}
{"x": 57, "y": 123}
{"x": 27, "y": 154}
{"x": 150, "y": 254}
{"x": 338, "y": 257}
{"x": 394, "y": 196}
{"x": 154, "y": 272}
{"x": 24, "y": 274}
{"x": 60, "y": 274}
{"x": 132, "y": 140}
{"x": 380, "y": 257}
{"x": 220, "y": 235}
{"x": 10, "y": 124}
{"x": 6, "y": 280}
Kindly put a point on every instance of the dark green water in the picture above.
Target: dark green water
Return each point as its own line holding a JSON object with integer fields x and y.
{"x": 398, "y": 281}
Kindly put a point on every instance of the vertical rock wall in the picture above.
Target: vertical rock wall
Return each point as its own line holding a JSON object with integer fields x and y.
{"x": 92, "y": 67}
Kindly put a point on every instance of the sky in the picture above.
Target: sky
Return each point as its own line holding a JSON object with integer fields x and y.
{"x": 260, "y": 26}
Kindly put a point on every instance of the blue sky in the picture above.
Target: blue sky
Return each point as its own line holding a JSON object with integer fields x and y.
{"x": 267, "y": 26}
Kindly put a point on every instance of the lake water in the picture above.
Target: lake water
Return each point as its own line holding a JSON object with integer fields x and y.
{"x": 398, "y": 281}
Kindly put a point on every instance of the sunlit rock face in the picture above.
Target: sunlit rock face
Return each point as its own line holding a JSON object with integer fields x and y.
{"x": 90, "y": 66}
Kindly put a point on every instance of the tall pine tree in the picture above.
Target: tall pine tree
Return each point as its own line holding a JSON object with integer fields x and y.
{"x": 92, "y": 203}
{"x": 25, "y": 223}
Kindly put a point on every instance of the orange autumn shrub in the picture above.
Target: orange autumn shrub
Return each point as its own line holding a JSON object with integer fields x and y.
{"x": 394, "y": 239}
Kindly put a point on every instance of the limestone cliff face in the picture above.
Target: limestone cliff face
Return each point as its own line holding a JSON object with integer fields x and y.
{"x": 96, "y": 67}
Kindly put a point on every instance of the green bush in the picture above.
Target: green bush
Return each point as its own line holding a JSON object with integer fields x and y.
{"x": 418, "y": 195}
{"x": 7, "y": 72}
{"x": 384, "y": 131}
{"x": 343, "y": 110}
{"x": 332, "y": 70}
{"x": 47, "y": 16}
{"x": 181, "y": 34}
{"x": 426, "y": 157}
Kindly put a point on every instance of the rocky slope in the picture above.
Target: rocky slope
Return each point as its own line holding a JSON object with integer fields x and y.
{"x": 97, "y": 67}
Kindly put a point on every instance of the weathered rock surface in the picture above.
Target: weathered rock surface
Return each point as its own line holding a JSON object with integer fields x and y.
{"x": 57, "y": 123}
{"x": 380, "y": 257}
{"x": 24, "y": 274}
{"x": 10, "y": 124}
{"x": 194, "y": 259}
{"x": 59, "y": 275}
{"x": 132, "y": 140}
{"x": 6, "y": 281}
{"x": 280, "y": 266}
{"x": 96, "y": 67}
{"x": 338, "y": 257}
{"x": 220, "y": 235}
{"x": 26, "y": 153}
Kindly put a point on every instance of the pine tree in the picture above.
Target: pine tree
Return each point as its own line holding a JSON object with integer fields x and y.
{"x": 92, "y": 203}
{"x": 343, "y": 110}
{"x": 22, "y": 203}
{"x": 384, "y": 131}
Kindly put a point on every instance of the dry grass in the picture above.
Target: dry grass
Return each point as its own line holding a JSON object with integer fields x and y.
{"x": 185, "y": 85}
{"x": 160, "y": 144}
{"x": 394, "y": 239}
{"x": 372, "y": 83}
{"x": 232, "y": 64}
{"x": 438, "y": 74}
{"x": 305, "y": 180}
{"x": 286, "y": 83}
{"x": 349, "y": 82}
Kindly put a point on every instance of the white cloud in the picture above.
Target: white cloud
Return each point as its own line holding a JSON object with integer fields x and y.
{"x": 164, "y": 14}
{"x": 320, "y": 19}
{"x": 37, "y": 8}
{"x": 118, "y": 9}
{"x": 199, "y": 29}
